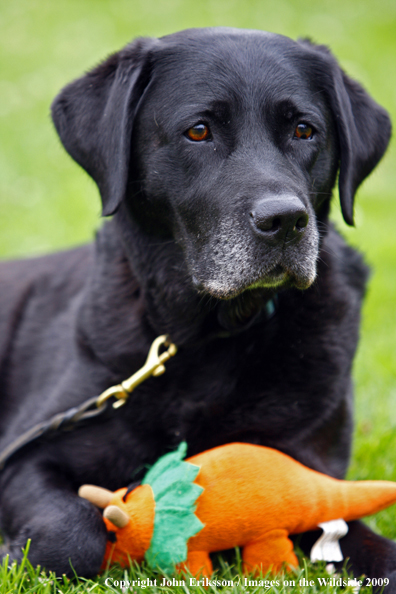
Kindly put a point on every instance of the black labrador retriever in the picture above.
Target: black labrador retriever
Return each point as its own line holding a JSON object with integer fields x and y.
{"x": 217, "y": 151}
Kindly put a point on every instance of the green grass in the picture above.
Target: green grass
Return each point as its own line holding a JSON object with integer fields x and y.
{"x": 48, "y": 203}
{"x": 25, "y": 579}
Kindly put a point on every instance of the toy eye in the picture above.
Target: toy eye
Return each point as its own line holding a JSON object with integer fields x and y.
{"x": 303, "y": 131}
{"x": 198, "y": 133}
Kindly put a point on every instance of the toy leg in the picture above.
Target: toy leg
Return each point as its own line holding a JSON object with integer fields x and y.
{"x": 269, "y": 553}
{"x": 198, "y": 563}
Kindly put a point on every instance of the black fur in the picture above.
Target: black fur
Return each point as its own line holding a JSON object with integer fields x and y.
{"x": 202, "y": 240}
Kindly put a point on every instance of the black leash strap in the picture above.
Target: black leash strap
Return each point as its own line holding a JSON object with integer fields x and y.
{"x": 59, "y": 422}
{"x": 96, "y": 406}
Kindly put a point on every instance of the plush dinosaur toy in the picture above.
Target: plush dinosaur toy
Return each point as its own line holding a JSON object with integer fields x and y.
{"x": 233, "y": 495}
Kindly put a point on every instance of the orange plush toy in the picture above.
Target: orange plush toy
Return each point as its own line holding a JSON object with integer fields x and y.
{"x": 234, "y": 495}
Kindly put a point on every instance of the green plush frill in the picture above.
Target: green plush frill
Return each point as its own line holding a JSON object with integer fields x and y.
{"x": 175, "y": 494}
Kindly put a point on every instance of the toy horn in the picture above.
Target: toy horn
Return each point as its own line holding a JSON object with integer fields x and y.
{"x": 96, "y": 495}
{"x": 102, "y": 498}
{"x": 116, "y": 516}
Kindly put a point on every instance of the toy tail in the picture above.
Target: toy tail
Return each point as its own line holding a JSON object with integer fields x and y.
{"x": 331, "y": 499}
{"x": 363, "y": 498}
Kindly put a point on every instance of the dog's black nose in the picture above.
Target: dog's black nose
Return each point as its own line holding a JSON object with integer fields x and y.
{"x": 282, "y": 218}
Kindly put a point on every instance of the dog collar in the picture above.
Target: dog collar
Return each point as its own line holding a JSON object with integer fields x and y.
{"x": 265, "y": 314}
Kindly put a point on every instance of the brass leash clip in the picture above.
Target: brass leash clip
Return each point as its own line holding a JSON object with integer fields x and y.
{"x": 154, "y": 366}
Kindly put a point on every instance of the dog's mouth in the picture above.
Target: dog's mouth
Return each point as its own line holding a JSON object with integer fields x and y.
{"x": 274, "y": 278}
{"x": 279, "y": 276}
{"x": 297, "y": 276}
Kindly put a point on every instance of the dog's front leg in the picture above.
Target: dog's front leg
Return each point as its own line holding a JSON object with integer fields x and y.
{"x": 67, "y": 533}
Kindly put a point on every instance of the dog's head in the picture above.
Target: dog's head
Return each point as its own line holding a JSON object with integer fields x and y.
{"x": 228, "y": 143}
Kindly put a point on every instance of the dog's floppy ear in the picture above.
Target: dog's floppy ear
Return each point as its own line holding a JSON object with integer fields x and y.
{"x": 363, "y": 127}
{"x": 94, "y": 116}
{"x": 364, "y": 130}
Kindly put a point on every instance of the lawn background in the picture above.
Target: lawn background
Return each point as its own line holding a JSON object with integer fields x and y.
{"x": 47, "y": 202}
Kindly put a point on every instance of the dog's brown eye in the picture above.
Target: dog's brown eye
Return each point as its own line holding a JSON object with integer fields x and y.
{"x": 198, "y": 132}
{"x": 303, "y": 131}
